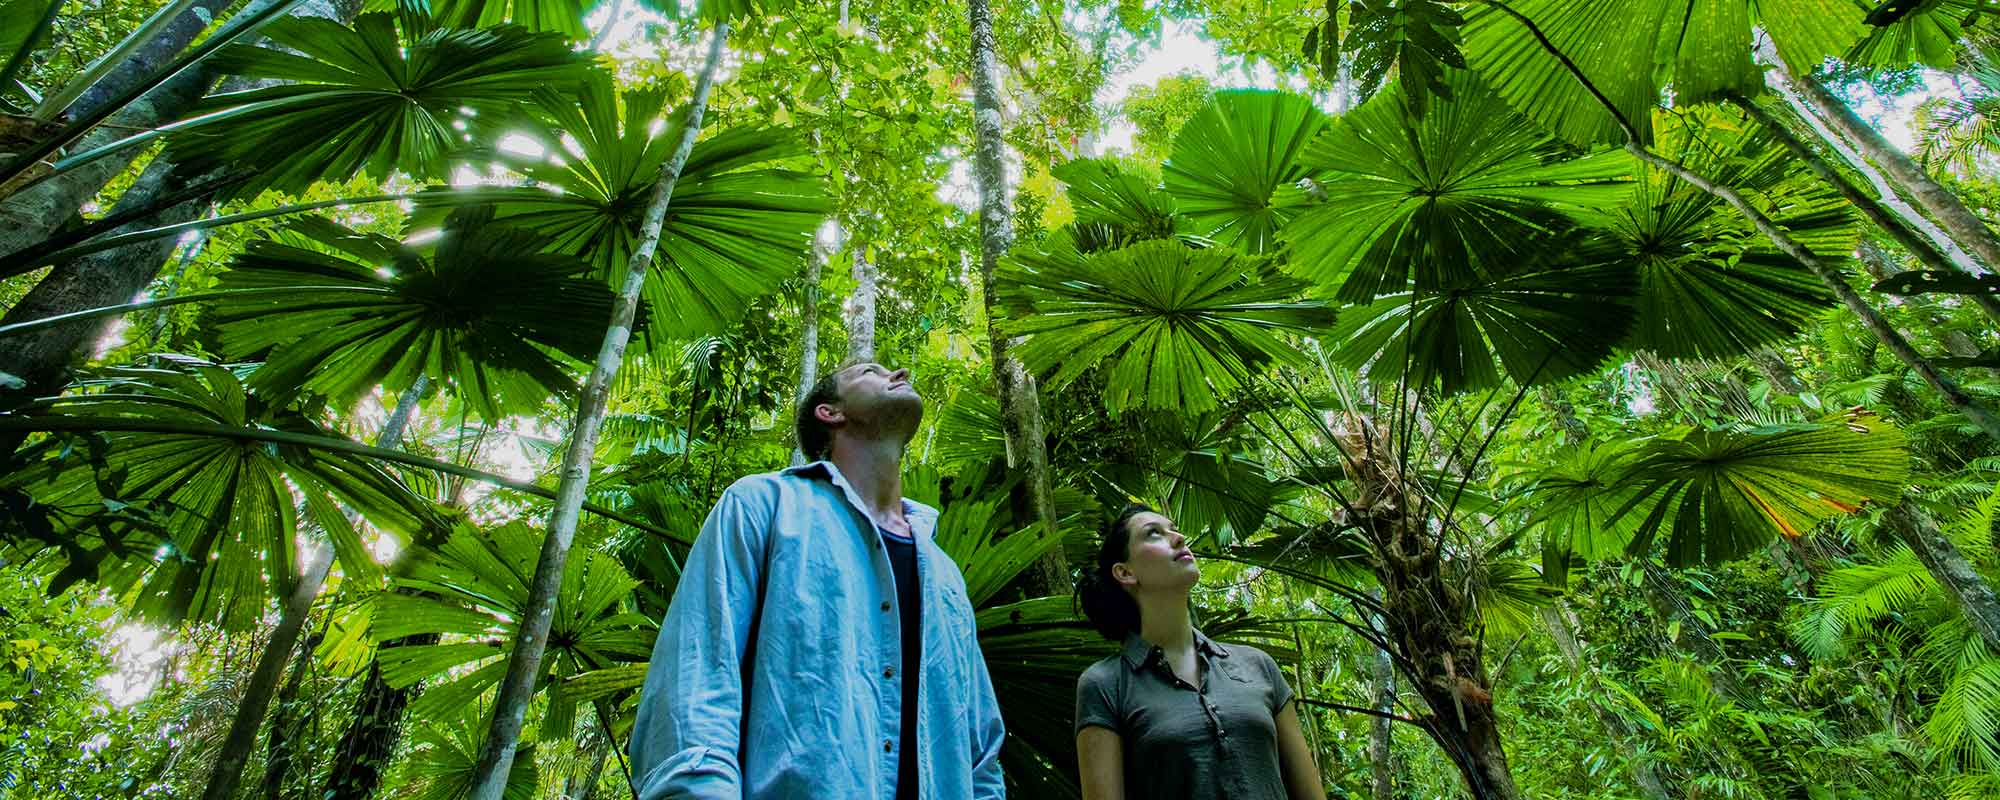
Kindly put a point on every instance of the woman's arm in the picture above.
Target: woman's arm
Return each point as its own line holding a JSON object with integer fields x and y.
{"x": 1100, "y": 759}
{"x": 1295, "y": 758}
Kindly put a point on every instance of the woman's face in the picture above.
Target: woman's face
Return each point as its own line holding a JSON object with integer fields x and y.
{"x": 1156, "y": 556}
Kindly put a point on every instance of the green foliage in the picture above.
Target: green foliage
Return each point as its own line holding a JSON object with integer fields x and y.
{"x": 1230, "y": 159}
{"x": 1419, "y": 39}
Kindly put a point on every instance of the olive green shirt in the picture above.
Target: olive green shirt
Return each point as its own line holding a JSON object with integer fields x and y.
{"x": 1219, "y": 740}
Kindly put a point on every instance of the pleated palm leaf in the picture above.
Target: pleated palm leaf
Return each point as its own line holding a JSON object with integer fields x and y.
{"x": 1177, "y": 327}
{"x": 474, "y": 590}
{"x": 1258, "y": 136}
{"x": 445, "y": 750}
{"x": 387, "y": 94}
{"x": 192, "y": 526}
{"x": 486, "y": 310}
{"x": 1469, "y": 189}
{"x": 1709, "y": 284}
{"x": 740, "y": 218}
{"x": 1634, "y": 50}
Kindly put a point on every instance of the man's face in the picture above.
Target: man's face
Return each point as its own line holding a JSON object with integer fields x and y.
{"x": 877, "y": 397}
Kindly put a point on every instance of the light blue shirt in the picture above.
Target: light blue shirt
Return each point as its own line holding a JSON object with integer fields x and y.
{"x": 805, "y": 701}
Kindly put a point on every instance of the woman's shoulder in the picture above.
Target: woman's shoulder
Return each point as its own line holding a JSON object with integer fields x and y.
{"x": 1249, "y": 654}
{"x": 1105, "y": 673}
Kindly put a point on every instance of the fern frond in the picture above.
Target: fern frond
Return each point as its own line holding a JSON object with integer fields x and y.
{"x": 1857, "y": 596}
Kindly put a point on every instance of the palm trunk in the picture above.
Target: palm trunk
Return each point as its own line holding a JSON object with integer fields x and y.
{"x": 242, "y": 736}
{"x": 860, "y": 308}
{"x": 524, "y": 664}
{"x": 1929, "y": 256}
{"x": 808, "y": 338}
{"x": 1020, "y": 408}
{"x": 1562, "y": 626}
{"x": 1951, "y": 213}
{"x": 1954, "y": 573}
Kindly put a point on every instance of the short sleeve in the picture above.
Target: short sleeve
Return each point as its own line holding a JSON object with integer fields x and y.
{"x": 1281, "y": 692}
{"x": 1097, "y": 699}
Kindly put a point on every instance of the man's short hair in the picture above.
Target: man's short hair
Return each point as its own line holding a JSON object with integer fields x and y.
{"x": 815, "y": 437}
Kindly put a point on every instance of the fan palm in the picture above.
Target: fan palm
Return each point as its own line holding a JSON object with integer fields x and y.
{"x": 1700, "y": 49}
{"x": 1258, "y": 136}
{"x": 739, "y": 220}
{"x": 486, "y": 310}
{"x": 195, "y": 526}
{"x": 389, "y": 93}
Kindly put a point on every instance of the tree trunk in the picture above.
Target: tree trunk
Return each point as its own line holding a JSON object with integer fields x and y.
{"x": 1950, "y": 212}
{"x": 1562, "y": 626}
{"x": 583, "y": 785}
{"x": 808, "y": 337}
{"x": 1884, "y": 193}
{"x": 1020, "y": 408}
{"x": 524, "y": 664}
{"x": 1381, "y": 733}
{"x": 242, "y": 734}
{"x": 282, "y": 746}
{"x": 1921, "y": 248}
{"x": 1574, "y": 431}
{"x": 1775, "y": 370}
{"x": 1954, "y": 573}
{"x": 1954, "y": 396}
{"x": 860, "y": 308}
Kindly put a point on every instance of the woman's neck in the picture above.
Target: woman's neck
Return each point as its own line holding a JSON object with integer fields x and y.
{"x": 1163, "y": 621}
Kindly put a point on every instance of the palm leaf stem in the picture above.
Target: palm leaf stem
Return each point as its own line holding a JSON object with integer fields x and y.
{"x": 79, "y": 424}
{"x": 126, "y": 308}
{"x": 53, "y": 252}
{"x": 1465, "y": 473}
{"x": 1927, "y": 253}
{"x": 1954, "y": 395}
{"x": 245, "y": 22}
{"x": 117, "y": 218}
{"x": 1356, "y": 710}
{"x": 524, "y": 664}
{"x": 58, "y": 101}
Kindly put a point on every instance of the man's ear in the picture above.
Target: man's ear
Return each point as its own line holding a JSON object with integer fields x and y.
{"x": 829, "y": 414}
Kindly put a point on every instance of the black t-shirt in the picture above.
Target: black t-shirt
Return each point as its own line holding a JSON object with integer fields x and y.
{"x": 903, "y": 560}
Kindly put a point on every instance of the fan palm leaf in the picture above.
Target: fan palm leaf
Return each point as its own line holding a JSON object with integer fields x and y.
{"x": 474, "y": 590}
{"x": 1631, "y": 51}
{"x": 197, "y": 527}
{"x": 1175, "y": 327}
{"x": 1433, "y": 200}
{"x": 740, "y": 220}
{"x": 1710, "y": 285}
{"x": 1230, "y": 159}
{"x": 364, "y": 99}
{"x": 487, "y": 310}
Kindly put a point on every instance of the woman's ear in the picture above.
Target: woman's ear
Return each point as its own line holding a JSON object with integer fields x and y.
{"x": 1124, "y": 575}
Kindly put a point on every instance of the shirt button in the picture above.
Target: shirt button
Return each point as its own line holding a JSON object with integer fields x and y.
{"x": 885, "y": 605}
{"x": 889, "y": 672}
{"x": 888, "y": 746}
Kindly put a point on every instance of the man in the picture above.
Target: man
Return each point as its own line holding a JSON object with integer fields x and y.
{"x": 821, "y": 645}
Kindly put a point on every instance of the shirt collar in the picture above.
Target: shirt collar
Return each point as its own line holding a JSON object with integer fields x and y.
{"x": 923, "y": 518}
{"x": 1139, "y": 652}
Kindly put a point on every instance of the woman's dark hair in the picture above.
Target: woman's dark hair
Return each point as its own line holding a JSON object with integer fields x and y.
{"x": 1111, "y": 610}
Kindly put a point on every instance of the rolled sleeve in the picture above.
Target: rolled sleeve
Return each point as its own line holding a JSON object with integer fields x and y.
{"x": 1095, "y": 704}
{"x": 688, "y": 729}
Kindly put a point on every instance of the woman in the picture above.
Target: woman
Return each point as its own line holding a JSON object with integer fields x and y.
{"x": 1177, "y": 715}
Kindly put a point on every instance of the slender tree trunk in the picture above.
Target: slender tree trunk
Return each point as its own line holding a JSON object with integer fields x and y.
{"x": 1953, "y": 571}
{"x": 281, "y": 748}
{"x": 1562, "y": 626}
{"x": 242, "y": 736}
{"x": 1381, "y": 733}
{"x": 1950, "y": 212}
{"x": 860, "y": 308}
{"x": 1020, "y": 408}
{"x": 524, "y": 664}
{"x": 583, "y": 785}
{"x": 1921, "y": 248}
{"x": 1775, "y": 370}
{"x": 808, "y": 337}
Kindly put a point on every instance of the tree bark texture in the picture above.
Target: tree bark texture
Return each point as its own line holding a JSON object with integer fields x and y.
{"x": 1929, "y": 195}
{"x": 808, "y": 337}
{"x": 524, "y": 664}
{"x": 1020, "y": 408}
{"x": 281, "y": 746}
{"x": 1953, "y": 571}
{"x": 242, "y": 736}
{"x": 1931, "y": 257}
{"x": 859, "y": 310}
{"x": 1381, "y": 733}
